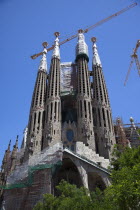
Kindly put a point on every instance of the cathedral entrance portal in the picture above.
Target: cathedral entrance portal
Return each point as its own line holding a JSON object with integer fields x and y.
{"x": 69, "y": 173}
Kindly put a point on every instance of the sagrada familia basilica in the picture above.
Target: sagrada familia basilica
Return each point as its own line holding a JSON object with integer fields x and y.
{"x": 70, "y": 133}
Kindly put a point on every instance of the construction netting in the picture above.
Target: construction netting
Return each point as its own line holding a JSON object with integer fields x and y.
{"x": 22, "y": 176}
{"x": 68, "y": 78}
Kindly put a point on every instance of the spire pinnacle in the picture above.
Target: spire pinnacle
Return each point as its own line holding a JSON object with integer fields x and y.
{"x": 9, "y": 145}
{"x": 81, "y": 47}
{"x": 96, "y": 58}
{"x": 43, "y": 62}
{"x": 56, "y": 51}
{"x": 24, "y": 138}
{"x": 15, "y": 148}
{"x": 16, "y": 144}
{"x": 132, "y": 123}
{"x": 133, "y": 128}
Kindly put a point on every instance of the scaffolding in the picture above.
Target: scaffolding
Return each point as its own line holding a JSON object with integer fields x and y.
{"x": 127, "y": 134}
{"x": 22, "y": 176}
{"x": 68, "y": 78}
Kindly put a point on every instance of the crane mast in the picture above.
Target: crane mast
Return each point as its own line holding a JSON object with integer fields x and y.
{"x": 89, "y": 28}
{"x": 134, "y": 58}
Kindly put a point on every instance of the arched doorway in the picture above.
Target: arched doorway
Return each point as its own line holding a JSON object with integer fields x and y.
{"x": 95, "y": 181}
{"x": 67, "y": 172}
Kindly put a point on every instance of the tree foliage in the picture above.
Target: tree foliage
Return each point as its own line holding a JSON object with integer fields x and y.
{"x": 125, "y": 189}
{"x": 72, "y": 198}
{"x": 123, "y": 194}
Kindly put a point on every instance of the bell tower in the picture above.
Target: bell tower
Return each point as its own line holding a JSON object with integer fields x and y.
{"x": 37, "y": 109}
{"x": 53, "y": 102}
{"x": 102, "y": 116}
{"x": 84, "y": 108}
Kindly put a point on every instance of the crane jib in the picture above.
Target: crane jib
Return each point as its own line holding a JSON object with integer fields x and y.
{"x": 91, "y": 27}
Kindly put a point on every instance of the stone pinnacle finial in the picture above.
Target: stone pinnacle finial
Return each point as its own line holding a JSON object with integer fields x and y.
{"x": 43, "y": 62}
{"x": 16, "y": 144}
{"x": 96, "y": 59}
{"x": 24, "y": 138}
{"x": 57, "y": 34}
{"x": 93, "y": 39}
{"x": 56, "y": 51}
{"x": 132, "y": 123}
{"x": 118, "y": 120}
{"x": 80, "y": 31}
{"x": 131, "y": 119}
{"x": 15, "y": 148}
{"x": 9, "y": 144}
{"x": 45, "y": 44}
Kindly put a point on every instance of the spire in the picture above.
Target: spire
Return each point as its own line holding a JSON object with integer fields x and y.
{"x": 16, "y": 144}
{"x": 24, "y": 138}
{"x": 81, "y": 47}
{"x": 43, "y": 62}
{"x": 52, "y": 128}
{"x": 103, "y": 125}
{"x": 96, "y": 59}
{"x": 14, "y": 151}
{"x": 9, "y": 145}
{"x": 14, "y": 155}
{"x": 6, "y": 153}
{"x": 120, "y": 134}
{"x": 132, "y": 123}
{"x": 134, "y": 135}
{"x": 56, "y": 51}
{"x": 133, "y": 127}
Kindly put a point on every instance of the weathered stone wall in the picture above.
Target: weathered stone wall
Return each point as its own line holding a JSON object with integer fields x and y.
{"x": 26, "y": 198}
{"x": 85, "y": 151}
{"x": 80, "y": 168}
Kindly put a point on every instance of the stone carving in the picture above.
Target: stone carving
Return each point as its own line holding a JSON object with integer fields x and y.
{"x": 69, "y": 126}
{"x": 86, "y": 129}
{"x": 49, "y": 131}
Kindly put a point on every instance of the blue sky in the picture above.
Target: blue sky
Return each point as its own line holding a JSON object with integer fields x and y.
{"x": 24, "y": 25}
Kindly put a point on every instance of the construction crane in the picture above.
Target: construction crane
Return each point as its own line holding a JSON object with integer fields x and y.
{"x": 87, "y": 29}
{"x": 135, "y": 59}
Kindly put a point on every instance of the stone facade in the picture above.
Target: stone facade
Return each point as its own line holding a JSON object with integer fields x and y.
{"x": 27, "y": 197}
{"x": 24, "y": 190}
{"x": 69, "y": 135}
{"x": 75, "y": 116}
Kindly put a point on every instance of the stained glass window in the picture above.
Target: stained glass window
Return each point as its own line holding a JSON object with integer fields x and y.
{"x": 70, "y": 135}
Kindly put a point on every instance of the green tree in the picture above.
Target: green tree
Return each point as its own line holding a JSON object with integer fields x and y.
{"x": 73, "y": 198}
{"x": 123, "y": 194}
{"x": 125, "y": 189}
{"x": 70, "y": 198}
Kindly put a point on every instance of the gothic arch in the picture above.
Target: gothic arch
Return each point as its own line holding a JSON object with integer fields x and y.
{"x": 68, "y": 172}
{"x": 95, "y": 181}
